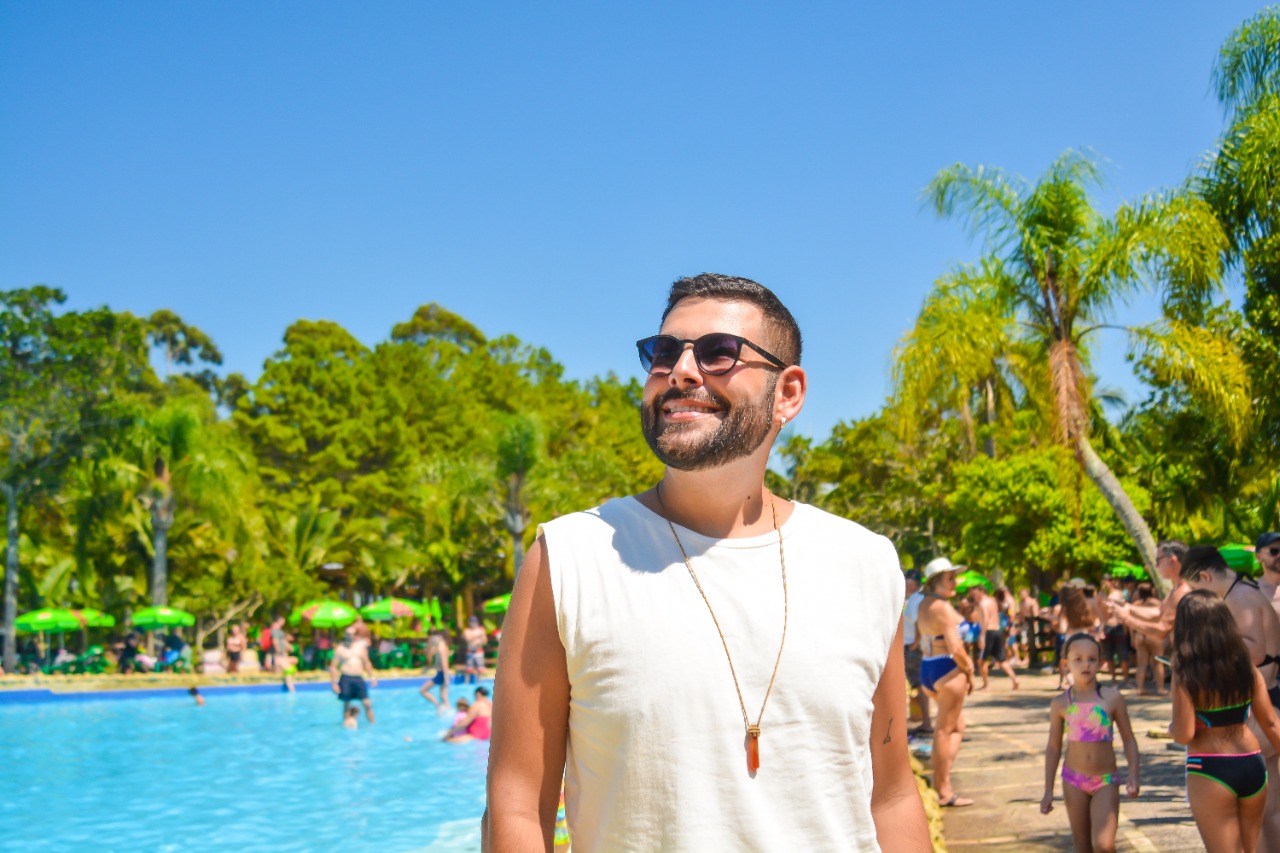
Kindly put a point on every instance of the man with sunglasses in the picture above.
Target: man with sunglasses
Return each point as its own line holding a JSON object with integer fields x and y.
{"x": 1267, "y": 550}
{"x": 784, "y": 726}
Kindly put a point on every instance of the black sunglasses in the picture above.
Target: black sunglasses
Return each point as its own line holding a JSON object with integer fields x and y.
{"x": 715, "y": 353}
{"x": 1275, "y": 551}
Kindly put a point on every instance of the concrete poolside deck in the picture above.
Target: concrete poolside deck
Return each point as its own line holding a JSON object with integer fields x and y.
{"x": 1001, "y": 767}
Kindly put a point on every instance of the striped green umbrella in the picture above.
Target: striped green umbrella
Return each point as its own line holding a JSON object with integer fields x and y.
{"x": 151, "y": 618}
{"x": 324, "y": 614}
{"x": 55, "y": 619}
{"x": 393, "y": 608}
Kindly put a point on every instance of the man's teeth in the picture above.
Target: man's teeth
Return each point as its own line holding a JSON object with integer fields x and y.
{"x": 673, "y": 409}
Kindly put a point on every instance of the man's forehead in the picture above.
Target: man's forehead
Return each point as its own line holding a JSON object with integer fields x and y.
{"x": 695, "y": 316}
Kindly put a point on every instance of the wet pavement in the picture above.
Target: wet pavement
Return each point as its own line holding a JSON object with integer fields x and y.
{"x": 1001, "y": 767}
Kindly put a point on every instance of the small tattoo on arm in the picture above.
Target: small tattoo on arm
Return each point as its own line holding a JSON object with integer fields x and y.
{"x": 888, "y": 734}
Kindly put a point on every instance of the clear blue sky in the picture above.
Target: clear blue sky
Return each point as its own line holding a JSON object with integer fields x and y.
{"x": 546, "y": 169}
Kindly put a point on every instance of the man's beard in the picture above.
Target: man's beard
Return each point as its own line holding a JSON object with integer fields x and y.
{"x": 688, "y": 447}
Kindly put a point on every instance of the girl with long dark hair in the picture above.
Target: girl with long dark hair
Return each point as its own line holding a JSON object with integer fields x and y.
{"x": 1215, "y": 689}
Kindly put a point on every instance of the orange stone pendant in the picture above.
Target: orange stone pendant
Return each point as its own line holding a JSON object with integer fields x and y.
{"x": 753, "y": 749}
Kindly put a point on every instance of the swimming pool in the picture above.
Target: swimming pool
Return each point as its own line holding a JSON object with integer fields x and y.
{"x": 271, "y": 771}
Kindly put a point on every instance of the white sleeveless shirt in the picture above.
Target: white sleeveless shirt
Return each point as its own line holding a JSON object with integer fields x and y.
{"x": 656, "y": 745}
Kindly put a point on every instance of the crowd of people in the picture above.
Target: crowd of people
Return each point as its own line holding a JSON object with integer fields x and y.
{"x": 1216, "y": 635}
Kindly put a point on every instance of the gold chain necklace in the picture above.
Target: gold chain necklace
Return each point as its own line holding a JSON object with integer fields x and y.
{"x": 753, "y": 731}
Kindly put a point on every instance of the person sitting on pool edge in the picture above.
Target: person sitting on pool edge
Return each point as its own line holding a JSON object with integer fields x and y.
{"x": 475, "y": 725}
{"x": 346, "y": 672}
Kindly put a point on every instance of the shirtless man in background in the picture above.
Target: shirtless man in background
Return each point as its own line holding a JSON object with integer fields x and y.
{"x": 992, "y": 644}
{"x": 438, "y": 654}
{"x": 1159, "y": 628}
{"x": 1267, "y": 550}
{"x": 1115, "y": 640}
{"x": 475, "y": 637}
{"x": 347, "y": 670}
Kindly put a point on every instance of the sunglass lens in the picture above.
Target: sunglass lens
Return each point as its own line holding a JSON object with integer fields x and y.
{"x": 1275, "y": 552}
{"x": 717, "y": 353}
{"x": 659, "y": 354}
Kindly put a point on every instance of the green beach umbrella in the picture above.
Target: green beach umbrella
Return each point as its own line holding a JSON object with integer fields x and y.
{"x": 498, "y": 605}
{"x": 324, "y": 614}
{"x": 55, "y": 619}
{"x": 1241, "y": 558}
{"x": 151, "y": 618}
{"x": 393, "y": 608}
{"x": 1126, "y": 570}
{"x": 967, "y": 580}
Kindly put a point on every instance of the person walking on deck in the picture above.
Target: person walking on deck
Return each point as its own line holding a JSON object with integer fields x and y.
{"x": 1204, "y": 567}
{"x": 946, "y": 672}
{"x": 993, "y": 639}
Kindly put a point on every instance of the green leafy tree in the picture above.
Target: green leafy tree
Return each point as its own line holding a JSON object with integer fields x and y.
{"x": 1018, "y": 516}
{"x": 60, "y": 377}
{"x": 1057, "y": 267}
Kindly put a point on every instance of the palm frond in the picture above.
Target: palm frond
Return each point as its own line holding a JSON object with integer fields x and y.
{"x": 988, "y": 200}
{"x": 1208, "y": 364}
{"x": 1248, "y": 63}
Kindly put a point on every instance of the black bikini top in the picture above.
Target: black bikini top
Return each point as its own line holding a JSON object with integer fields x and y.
{"x": 1212, "y": 718}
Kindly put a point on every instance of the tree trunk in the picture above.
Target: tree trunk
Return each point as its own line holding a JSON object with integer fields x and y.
{"x": 1133, "y": 522}
{"x": 970, "y": 435}
{"x": 516, "y": 519}
{"x": 11, "y": 579}
{"x": 161, "y": 521}
{"x": 989, "y": 441}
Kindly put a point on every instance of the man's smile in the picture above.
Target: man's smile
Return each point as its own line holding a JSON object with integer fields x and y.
{"x": 685, "y": 411}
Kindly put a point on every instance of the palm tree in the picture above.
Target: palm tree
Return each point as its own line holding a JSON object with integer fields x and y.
{"x": 1054, "y": 267}
{"x": 519, "y": 450}
{"x": 963, "y": 349}
{"x": 179, "y": 452}
{"x": 1242, "y": 183}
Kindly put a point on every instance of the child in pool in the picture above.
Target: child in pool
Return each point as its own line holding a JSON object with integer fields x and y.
{"x": 351, "y": 717}
{"x": 1215, "y": 689}
{"x": 1088, "y": 716}
{"x": 464, "y": 707}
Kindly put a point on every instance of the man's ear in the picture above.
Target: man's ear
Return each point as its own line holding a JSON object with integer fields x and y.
{"x": 788, "y": 397}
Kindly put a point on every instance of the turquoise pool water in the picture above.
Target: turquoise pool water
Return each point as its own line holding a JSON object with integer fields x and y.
{"x": 270, "y": 771}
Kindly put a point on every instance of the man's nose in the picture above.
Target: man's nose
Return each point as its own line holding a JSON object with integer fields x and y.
{"x": 686, "y": 371}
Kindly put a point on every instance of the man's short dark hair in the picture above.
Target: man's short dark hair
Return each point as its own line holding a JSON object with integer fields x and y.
{"x": 1203, "y": 558}
{"x": 782, "y": 327}
{"x": 1172, "y": 548}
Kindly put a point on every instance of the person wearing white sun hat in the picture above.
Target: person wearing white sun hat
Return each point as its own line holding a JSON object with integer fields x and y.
{"x": 944, "y": 663}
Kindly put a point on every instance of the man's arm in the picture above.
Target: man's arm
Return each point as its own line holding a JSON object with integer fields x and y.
{"x": 895, "y": 800}
{"x": 333, "y": 669}
{"x": 530, "y": 717}
{"x": 368, "y": 667}
{"x": 1158, "y": 628}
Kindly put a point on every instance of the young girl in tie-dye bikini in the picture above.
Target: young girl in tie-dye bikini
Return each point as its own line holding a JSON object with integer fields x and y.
{"x": 1088, "y": 717}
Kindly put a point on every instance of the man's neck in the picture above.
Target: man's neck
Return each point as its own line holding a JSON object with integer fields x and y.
{"x": 726, "y": 502}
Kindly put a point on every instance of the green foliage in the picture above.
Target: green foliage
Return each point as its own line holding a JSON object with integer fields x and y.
{"x": 1034, "y": 518}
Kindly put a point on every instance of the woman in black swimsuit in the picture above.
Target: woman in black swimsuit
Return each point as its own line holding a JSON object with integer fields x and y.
{"x": 1204, "y": 568}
